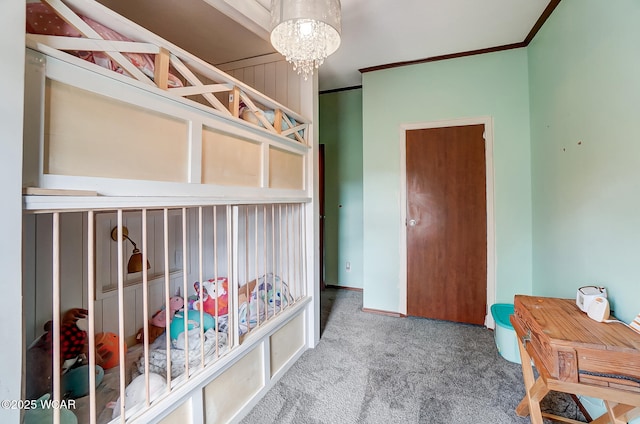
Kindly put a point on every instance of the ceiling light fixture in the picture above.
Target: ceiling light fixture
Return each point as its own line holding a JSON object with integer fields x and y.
{"x": 305, "y": 32}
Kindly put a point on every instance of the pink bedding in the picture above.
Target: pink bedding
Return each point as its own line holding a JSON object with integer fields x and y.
{"x": 42, "y": 20}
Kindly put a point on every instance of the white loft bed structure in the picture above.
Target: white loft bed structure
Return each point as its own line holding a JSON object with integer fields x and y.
{"x": 134, "y": 146}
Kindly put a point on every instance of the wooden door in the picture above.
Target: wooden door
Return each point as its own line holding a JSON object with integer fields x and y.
{"x": 447, "y": 224}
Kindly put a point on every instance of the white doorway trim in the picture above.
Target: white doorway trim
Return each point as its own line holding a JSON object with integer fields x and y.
{"x": 487, "y": 121}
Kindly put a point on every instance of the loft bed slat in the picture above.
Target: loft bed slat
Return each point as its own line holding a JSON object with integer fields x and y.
{"x": 207, "y": 88}
{"x": 234, "y": 101}
{"x": 277, "y": 121}
{"x": 293, "y": 129}
{"x": 258, "y": 112}
{"x": 89, "y": 44}
{"x": 161, "y": 69}
{"x": 195, "y": 81}
{"x": 74, "y": 20}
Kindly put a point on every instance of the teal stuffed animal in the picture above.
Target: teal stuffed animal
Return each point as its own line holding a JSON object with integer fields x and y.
{"x": 75, "y": 382}
{"x": 43, "y": 413}
{"x": 193, "y": 320}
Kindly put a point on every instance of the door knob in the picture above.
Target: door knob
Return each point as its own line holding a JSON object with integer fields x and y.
{"x": 412, "y": 223}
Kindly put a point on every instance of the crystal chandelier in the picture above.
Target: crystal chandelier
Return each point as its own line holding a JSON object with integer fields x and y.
{"x": 305, "y": 32}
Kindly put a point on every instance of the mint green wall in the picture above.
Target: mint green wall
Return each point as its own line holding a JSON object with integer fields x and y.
{"x": 341, "y": 133}
{"x": 584, "y": 68}
{"x": 494, "y": 84}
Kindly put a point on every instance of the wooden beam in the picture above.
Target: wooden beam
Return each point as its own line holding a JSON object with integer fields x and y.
{"x": 234, "y": 101}
{"x": 277, "y": 120}
{"x": 161, "y": 69}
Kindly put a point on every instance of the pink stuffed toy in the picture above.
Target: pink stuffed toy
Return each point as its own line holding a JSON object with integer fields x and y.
{"x": 208, "y": 292}
{"x": 158, "y": 321}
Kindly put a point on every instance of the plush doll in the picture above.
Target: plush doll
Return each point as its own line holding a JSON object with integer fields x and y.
{"x": 75, "y": 383}
{"x": 107, "y": 346}
{"x": 40, "y": 353}
{"x": 72, "y": 338}
{"x": 158, "y": 321}
{"x": 136, "y": 392}
{"x": 154, "y": 333}
{"x": 244, "y": 292}
{"x": 43, "y": 413}
{"x": 210, "y": 290}
{"x": 193, "y": 321}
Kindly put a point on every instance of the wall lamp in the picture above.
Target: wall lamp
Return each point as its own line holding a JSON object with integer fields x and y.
{"x": 135, "y": 261}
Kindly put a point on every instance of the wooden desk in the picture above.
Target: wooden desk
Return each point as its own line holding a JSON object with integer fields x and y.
{"x": 577, "y": 355}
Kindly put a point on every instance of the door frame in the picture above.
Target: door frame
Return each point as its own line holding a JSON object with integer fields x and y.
{"x": 487, "y": 121}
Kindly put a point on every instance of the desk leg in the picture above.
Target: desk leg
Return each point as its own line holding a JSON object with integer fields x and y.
{"x": 535, "y": 390}
{"x": 616, "y": 412}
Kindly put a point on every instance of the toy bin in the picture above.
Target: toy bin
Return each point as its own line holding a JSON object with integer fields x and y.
{"x": 504, "y": 334}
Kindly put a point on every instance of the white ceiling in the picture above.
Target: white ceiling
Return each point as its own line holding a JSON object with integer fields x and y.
{"x": 374, "y": 32}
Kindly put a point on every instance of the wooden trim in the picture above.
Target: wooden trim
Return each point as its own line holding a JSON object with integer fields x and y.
{"x": 38, "y": 191}
{"x": 332, "y": 286}
{"x": 534, "y": 30}
{"x": 443, "y": 57}
{"x": 234, "y": 102}
{"x": 335, "y": 90}
{"x": 161, "y": 69}
{"x": 541, "y": 20}
{"x": 277, "y": 121}
{"x": 386, "y": 313}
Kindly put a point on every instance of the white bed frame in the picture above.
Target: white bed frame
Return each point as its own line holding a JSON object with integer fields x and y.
{"x": 100, "y": 141}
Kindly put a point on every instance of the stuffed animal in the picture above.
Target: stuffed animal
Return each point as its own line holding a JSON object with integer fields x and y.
{"x": 40, "y": 353}
{"x": 38, "y": 372}
{"x": 154, "y": 333}
{"x": 107, "y": 346}
{"x": 158, "y": 321}
{"x": 208, "y": 292}
{"x": 43, "y": 413}
{"x": 72, "y": 338}
{"x": 135, "y": 393}
{"x": 193, "y": 321}
{"x": 244, "y": 292}
{"x": 75, "y": 383}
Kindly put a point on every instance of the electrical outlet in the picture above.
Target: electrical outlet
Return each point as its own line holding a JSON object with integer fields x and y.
{"x": 348, "y": 266}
